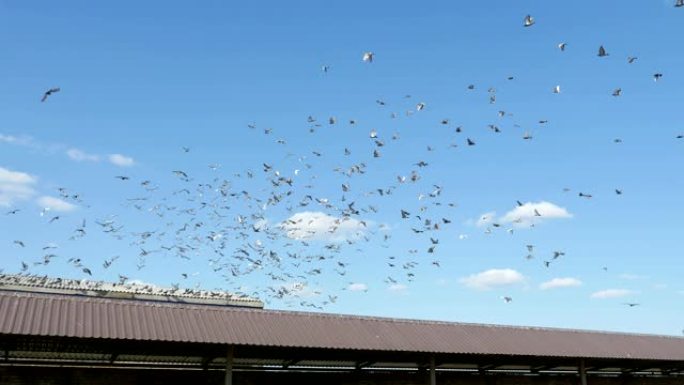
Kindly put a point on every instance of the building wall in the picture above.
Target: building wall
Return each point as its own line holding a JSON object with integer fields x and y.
{"x": 15, "y": 375}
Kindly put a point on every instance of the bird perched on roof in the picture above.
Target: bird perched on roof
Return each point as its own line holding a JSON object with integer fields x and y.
{"x": 49, "y": 92}
{"x": 529, "y": 21}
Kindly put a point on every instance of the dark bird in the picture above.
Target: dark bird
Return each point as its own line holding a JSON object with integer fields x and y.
{"x": 602, "y": 52}
{"x": 470, "y": 142}
{"x": 49, "y": 92}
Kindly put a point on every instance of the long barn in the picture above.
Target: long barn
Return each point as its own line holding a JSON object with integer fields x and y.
{"x": 51, "y": 333}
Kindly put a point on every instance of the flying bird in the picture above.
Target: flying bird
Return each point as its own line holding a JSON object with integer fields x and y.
{"x": 49, "y": 92}
{"x": 562, "y": 46}
{"x": 602, "y": 52}
{"x": 368, "y": 57}
{"x": 529, "y": 21}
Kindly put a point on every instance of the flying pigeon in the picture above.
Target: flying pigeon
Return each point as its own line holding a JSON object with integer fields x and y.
{"x": 529, "y": 21}
{"x": 49, "y": 92}
{"x": 602, "y": 52}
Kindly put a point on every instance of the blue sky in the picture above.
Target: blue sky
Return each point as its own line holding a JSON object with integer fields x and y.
{"x": 141, "y": 81}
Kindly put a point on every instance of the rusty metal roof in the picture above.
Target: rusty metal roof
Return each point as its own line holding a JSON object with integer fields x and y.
{"x": 55, "y": 315}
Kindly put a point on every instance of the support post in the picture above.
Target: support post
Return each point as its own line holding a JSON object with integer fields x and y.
{"x": 229, "y": 366}
{"x": 582, "y": 372}
{"x": 433, "y": 376}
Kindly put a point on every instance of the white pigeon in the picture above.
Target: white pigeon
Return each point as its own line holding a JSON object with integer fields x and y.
{"x": 556, "y": 90}
{"x": 529, "y": 21}
{"x": 368, "y": 56}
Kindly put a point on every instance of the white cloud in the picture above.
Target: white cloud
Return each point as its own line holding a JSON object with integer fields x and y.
{"x": 357, "y": 287}
{"x": 632, "y": 277}
{"x": 397, "y": 288}
{"x": 80, "y": 156}
{"x": 121, "y": 160}
{"x": 531, "y": 213}
{"x": 560, "y": 282}
{"x": 485, "y": 219}
{"x": 308, "y": 225}
{"x": 8, "y": 138}
{"x": 25, "y": 141}
{"x": 611, "y": 293}
{"x": 15, "y": 186}
{"x": 55, "y": 204}
{"x": 493, "y": 278}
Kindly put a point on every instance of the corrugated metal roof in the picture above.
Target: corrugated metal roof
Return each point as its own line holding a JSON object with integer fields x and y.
{"x": 85, "y": 317}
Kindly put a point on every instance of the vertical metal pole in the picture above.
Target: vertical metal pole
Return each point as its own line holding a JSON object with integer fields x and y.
{"x": 229, "y": 367}
{"x": 582, "y": 372}
{"x": 433, "y": 377}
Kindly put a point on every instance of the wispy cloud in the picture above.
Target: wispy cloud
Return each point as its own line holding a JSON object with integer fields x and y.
{"x": 493, "y": 278}
{"x": 72, "y": 153}
{"x": 357, "y": 287}
{"x": 397, "y": 288}
{"x": 611, "y": 293}
{"x": 24, "y": 141}
{"x": 308, "y": 225}
{"x": 632, "y": 277}
{"x": 56, "y": 204}
{"x": 485, "y": 219}
{"x": 560, "y": 283}
{"x": 81, "y": 156}
{"x": 15, "y": 186}
{"x": 121, "y": 160}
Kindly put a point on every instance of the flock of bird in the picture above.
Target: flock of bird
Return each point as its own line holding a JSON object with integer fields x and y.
{"x": 232, "y": 228}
